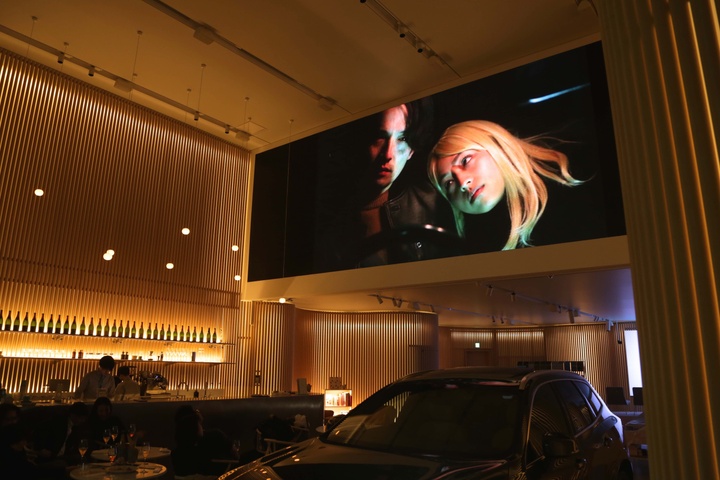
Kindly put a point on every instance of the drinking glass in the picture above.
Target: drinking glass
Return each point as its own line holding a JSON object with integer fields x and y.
{"x": 131, "y": 432}
{"x": 83, "y": 448}
{"x": 106, "y": 436}
{"x": 114, "y": 432}
{"x": 145, "y": 451}
{"x": 112, "y": 453}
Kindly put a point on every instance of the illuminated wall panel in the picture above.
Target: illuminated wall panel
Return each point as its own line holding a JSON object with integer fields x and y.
{"x": 273, "y": 339}
{"x": 367, "y": 350}
{"x": 116, "y": 176}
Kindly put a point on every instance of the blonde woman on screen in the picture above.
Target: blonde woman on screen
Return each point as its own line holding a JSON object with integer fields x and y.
{"x": 477, "y": 163}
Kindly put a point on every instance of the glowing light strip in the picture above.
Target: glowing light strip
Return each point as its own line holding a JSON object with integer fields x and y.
{"x": 556, "y": 94}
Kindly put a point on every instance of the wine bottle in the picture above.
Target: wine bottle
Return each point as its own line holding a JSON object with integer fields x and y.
{"x": 2, "y": 320}
{"x": 41, "y": 325}
{"x": 91, "y": 328}
{"x": 155, "y": 333}
{"x": 66, "y": 325}
{"x": 141, "y": 332}
{"x": 175, "y": 334}
{"x": 214, "y": 336}
{"x": 74, "y": 354}
{"x": 8, "y": 321}
{"x": 201, "y": 335}
{"x": 126, "y": 333}
{"x": 51, "y": 325}
{"x": 25, "y": 324}
{"x": 113, "y": 331}
{"x": 208, "y": 337}
{"x": 83, "y": 327}
{"x": 17, "y": 326}
{"x": 73, "y": 327}
{"x": 193, "y": 335}
{"x": 133, "y": 332}
{"x": 33, "y": 323}
{"x": 106, "y": 328}
{"x": 182, "y": 333}
{"x": 162, "y": 332}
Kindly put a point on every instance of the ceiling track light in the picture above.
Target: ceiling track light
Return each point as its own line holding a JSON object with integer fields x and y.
{"x": 326, "y": 103}
{"x": 91, "y": 71}
{"x": 489, "y": 291}
{"x": 123, "y": 85}
{"x": 227, "y": 129}
{"x": 205, "y": 34}
{"x": 61, "y": 58}
{"x": 379, "y": 299}
{"x": 512, "y": 296}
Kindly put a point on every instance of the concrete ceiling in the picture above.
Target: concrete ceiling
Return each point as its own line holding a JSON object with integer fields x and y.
{"x": 271, "y": 66}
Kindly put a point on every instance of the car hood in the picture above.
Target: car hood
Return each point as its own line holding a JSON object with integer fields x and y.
{"x": 316, "y": 460}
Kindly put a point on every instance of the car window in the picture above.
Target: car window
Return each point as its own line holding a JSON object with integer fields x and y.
{"x": 590, "y": 395}
{"x": 547, "y": 417}
{"x": 453, "y": 419}
{"x": 581, "y": 415}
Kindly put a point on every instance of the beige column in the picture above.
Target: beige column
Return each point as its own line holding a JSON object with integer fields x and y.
{"x": 663, "y": 62}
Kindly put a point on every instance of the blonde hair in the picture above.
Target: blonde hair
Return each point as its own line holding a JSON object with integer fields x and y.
{"x": 522, "y": 164}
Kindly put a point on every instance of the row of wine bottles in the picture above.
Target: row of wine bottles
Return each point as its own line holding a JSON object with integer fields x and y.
{"x": 99, "y": 330}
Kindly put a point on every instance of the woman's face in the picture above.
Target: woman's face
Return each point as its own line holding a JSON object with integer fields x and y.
{"x": 471, "y": 180}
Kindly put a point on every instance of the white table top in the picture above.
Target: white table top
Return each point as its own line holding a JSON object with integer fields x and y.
{"x": 105, "y": 471}
{"x": 155, "y": 452}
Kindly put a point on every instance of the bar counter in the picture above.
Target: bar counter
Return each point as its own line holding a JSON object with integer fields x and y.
{"x": 238, "y": 418}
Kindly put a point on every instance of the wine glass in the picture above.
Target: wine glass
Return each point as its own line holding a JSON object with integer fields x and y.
{"x": 106, "y": 436}
{"x": 114, "y": 432}
{"x": 112, "y": 453}
{"x": 83, "y": 448}
{"x": 131, "y": 432}
{"x": 145, "y": 451}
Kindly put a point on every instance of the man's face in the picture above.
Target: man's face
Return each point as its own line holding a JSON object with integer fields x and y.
{"x": 390, "y": 151}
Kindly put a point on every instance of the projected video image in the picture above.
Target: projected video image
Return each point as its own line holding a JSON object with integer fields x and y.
{"x": 520, "y": 159}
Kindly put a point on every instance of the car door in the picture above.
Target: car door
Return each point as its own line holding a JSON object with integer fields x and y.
{"x": 548, "y": 420}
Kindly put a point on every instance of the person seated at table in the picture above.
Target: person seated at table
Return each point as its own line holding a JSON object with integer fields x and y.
{"x": 9, "y": 414}
{"x": 194, "y": 450}
{"x": 127, "y": 388}
{"x": 56, "y": 444}
{"x": 101, "y": 419}
{"x": 13, "y": 455}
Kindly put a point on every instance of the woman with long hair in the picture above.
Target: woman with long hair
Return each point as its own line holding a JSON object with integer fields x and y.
{"x": 477, "y": 163}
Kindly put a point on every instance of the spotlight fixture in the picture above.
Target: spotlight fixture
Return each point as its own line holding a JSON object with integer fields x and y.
{"x": 197, "y": 116}
{"x": 416, "y": 306}
{"x": 227, "y": 129}
{"x": 420, "y": 47}
{"x": 512, "y": 296}
{"x": 123, "y": 85}
{"x": 204, "y": 34}
{"x": 489, "y": 290}
{"x": 61, "y": 58}
{"x": 571, "y": 316}
{"x": 91, "y": 71}
{"x": 402, "y": 31}
{"x": 609, "y": 325}
{"x": 493, "y": 318}
{"x": 326, "y": 103}
{"x": 379, "y": 299}
{"x": 432, "y": 308}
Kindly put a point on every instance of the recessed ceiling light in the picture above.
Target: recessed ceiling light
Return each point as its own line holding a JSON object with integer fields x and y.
{"x": 39, "y": 192}
{"x": 186, "y": 231}
{"x": 107, "y": 256}
{"x": 282, "y": 300}
{"x": 110, "y": 252}
{"x": 235, "y": 248}
{"x": 237, "y": 278}
{"x": 169, "y": 266}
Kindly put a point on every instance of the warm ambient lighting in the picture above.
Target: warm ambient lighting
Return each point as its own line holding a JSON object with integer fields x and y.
{"x": 109, "y": 254}
{"x": 282, "y": 300}
{"x": 169, "y": 266}
{"x": 237, "y": 278}
{"x": 39, "y": 192}
{"x": 186, "y": 231}
{"x": 235, "y": 248}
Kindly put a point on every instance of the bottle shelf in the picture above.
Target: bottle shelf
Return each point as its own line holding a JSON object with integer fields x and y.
{"x": 117, "y": 362}
{"x": 115, "y": 339}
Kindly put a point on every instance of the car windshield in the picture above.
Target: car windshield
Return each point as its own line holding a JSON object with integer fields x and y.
{"x": 453, "y": 419}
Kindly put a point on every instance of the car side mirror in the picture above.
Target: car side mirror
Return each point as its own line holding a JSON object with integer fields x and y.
{"x": 558, "y": 445}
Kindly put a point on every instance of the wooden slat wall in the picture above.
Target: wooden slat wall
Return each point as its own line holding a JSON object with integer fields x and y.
{"x": 273, "y": 338}
{"x": 367, "y": 350}
{"x": 602, "y": 351}
{"x": 116, "y": 175}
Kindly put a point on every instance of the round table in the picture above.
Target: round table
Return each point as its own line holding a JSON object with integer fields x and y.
{"x": 155, "y": 452}
{"x": 105, "y": 471}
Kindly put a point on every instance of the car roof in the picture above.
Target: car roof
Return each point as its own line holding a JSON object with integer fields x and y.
{"x": 521, "y": 376}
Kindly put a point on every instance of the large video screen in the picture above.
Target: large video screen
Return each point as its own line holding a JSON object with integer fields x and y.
{"x": 520, "y": 159}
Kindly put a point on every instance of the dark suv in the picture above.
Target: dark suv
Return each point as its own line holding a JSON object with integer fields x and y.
{"x": 464, "y": 423}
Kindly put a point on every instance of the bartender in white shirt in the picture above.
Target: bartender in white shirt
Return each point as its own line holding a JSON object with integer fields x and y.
{"x": 98, "y": 383}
